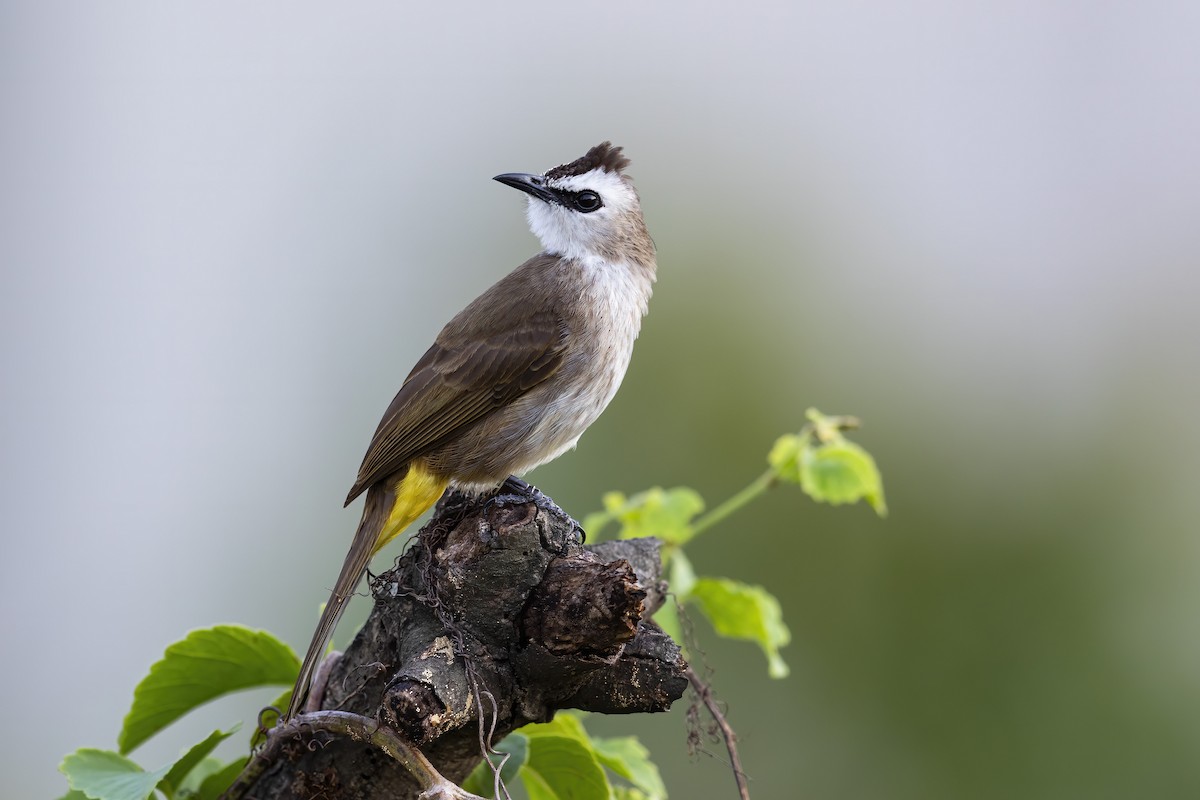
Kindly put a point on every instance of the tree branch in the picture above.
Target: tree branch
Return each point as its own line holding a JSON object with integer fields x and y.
{"x": 497, "y": 602}
{"x": 359, "y": 729}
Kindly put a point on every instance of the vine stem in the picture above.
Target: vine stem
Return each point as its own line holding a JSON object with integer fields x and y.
{"x": 710, "y": 702}
{"x": 824, "y": 427}
{"x": 760, "y": 485}
{"x": 434, "y": 786}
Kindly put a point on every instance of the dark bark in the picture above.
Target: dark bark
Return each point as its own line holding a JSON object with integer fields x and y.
{"x": 544, "y": 623}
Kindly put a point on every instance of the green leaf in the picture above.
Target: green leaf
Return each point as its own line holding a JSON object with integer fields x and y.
{"x": 613, "y": 502}
{"x": 630, "y": 759}
{"x": 665, "y": 513}
{"x": 565, "y": 762}
{"x": 174, "y": 779}
{"x": 481, "y": 781}
{"x": 209, "y": 765}
{"x": 536, "y": 786}
{"x": 105, "y": 775}
{"x": 628, "y": 793}
{"x": 563, "y": 768}
{"x": 682, "y": 577}
{"x": 667, "y": 618}
{"x": 841, "y": 472}
{"x": 784, "y": 457}
{"x": 562, "y": 761}
{"x": 203, "y": 666}
{"x": 741, "y": 611}
{"x": 516, "y": 747}
{"x": 215, "y": 784}
{"x": 596, "y": 521}
{"x": 74, "y": 794}
{"x": 564, "y": 723}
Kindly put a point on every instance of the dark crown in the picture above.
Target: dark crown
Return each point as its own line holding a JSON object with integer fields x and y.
{"x": 603, "y": 156}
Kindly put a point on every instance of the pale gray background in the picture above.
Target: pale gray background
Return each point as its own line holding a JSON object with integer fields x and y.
{"x": 227, "y": 230}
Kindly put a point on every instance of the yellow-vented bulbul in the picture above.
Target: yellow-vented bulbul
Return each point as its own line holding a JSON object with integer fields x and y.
{"x": 519, "y": 374}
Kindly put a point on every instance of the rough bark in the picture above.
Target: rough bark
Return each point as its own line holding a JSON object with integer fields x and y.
{"x": 497, "y": 603}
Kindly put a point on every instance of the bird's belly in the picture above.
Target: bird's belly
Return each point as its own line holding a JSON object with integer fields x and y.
{"x": 536, "y": 428}
{"x": 547, "y": 421}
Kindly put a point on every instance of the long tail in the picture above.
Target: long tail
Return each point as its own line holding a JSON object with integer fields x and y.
{"x": 388, "y": 511}
{"x": 361, "y": 550}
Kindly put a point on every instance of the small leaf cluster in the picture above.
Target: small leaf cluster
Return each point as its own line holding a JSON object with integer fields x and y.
{"x": 829, "y": 467}
{"x": 203, "y": 666}
{"x": 826, "y": 465}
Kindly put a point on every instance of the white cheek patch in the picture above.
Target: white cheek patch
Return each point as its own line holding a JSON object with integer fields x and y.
{"x": 574, "y": 234}
{"x": 565, "y": 232}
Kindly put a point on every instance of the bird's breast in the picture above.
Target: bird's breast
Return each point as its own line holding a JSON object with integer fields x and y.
{"x": 603, "y": 320}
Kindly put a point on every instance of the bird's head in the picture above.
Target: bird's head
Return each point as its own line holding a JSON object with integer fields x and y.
{"x": 587, "y": 208}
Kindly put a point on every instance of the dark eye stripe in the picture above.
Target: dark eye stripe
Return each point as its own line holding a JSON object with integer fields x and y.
{"x": 584, "y": 201}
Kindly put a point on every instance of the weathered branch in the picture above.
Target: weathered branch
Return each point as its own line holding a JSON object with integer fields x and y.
{"x": 353, "y": 727}
{"x": 497, "y": 603}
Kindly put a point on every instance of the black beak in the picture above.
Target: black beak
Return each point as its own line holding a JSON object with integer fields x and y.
{"x": 530, "y": 184}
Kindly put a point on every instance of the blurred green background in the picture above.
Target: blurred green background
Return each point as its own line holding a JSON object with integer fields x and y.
{"x": 227, "y": 231}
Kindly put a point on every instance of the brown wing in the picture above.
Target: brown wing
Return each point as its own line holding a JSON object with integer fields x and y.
{"x": 458, "y": 383}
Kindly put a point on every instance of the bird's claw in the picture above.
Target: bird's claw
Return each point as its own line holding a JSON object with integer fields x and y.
{"x": 516, "y": 486}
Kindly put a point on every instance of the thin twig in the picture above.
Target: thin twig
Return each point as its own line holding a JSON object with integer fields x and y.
{"x": 320, "y": 682}
{"x": 361, "y": 729}
{"x": 710, "y": 702}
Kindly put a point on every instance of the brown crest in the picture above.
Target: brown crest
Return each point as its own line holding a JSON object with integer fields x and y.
{"x": 603, "y": 156}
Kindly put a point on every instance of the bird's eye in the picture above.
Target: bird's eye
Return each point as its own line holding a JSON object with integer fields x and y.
{"x": 587, "y": 201}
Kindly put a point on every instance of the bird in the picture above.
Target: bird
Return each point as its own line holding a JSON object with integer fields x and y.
{"x": 517, "y": 376}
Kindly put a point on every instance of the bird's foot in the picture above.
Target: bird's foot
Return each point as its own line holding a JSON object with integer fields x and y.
{"x": 514, "y": 485}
